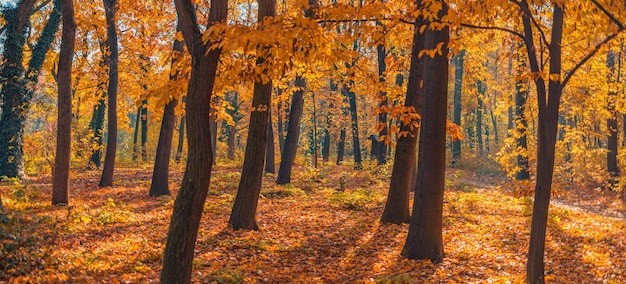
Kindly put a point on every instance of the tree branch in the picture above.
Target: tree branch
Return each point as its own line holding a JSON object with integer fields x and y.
{"x": 493, "y": 28}
{"x": 608, "y": 14}
{"x": 526, "y": 10}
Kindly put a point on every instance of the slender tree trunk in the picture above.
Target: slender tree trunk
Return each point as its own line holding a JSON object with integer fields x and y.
{"x": 97, "y": 127}
{"x": 144, "y": 130}
{"x": 281, "y": 132}
{"x": 270, "y": 162}
{"x": 547, "y": 128}
{"x": 136, "y": 134}
{"x": 243, "y": 215}
{"x": 109, "y": 157}
{"x": 459, "y": 59}
{"x": 479, "y": 117}
{"x": 189, "y": 204}
{"x": 355, "y": 124}
{"x": 341, "y": 145}
{"x": 397, "y": 206}
{"x": 611, "y": 123}
{"x": 18, "y": 84}
{"x": 425, "y": 240}
{"x": 293, "y": 133}
{"x": 181, "y": 138}
{"x": 314, "y": 140}
{"x": 60, "y": 183}
{"x": 521, "y": 93}
{"x": 382, "y": 115}
{"x": 160, "y": 173}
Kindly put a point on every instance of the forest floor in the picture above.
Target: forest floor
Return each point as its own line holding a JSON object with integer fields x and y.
{"x": 323, "y": 228}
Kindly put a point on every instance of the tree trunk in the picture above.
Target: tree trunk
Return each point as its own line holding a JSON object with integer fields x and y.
{"x": 181, "y": 138}
{"x": 243, "y": 215}
{"x": 17, "y": 91}
{"x": 109, "y": 158}
{"x": 144, "y": 130}
{"x": 547, "y": 128}
{"x": 60, "y": 183}
{"x": 479, "y": 117}
{"x": 183, "y": 229}
{"x": 314, "y": 140}
{"x": 355, "y": 124}
{"x": 97, "y": 127}
{"x": 293, "y": 132}
{"x": 424, "y": 240}
{"x": 341, "y": 145}
{"x": 270, "y": 163}
{"x": 611, "y": 155}
{"x": 160, "y": 173}
{"x": 233, "y": 98}
{"x": 136, "y": 134}
{"x": 521, "y": 94}
{"x": 382, "y": 115}
{"x": 397, "y": 206}
{"x": 458, "y": 89}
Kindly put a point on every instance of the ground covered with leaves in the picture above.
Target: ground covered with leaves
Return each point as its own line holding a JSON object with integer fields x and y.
{"x": 323, "y": 228}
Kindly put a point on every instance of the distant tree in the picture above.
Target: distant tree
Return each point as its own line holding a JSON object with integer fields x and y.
{"x": 611, "y": 123}
{"x": 458, "y": 60}
{"x": 60, "y": 182}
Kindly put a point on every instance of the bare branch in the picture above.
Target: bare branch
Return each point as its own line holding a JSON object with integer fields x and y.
{"x": 493, "y": 28}
{"x": 526, "y": 10}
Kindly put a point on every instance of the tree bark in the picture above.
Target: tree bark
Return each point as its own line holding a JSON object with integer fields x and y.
{"x": 160, "y": 173}
{"x": 183, "y": 229}
{"x": 136, "y": 134}
{"x": 270, "y": 162}
{"x": 479, "y": 116}
{"x": 60, "y": 183}
{"x": 425, "y": 240}
{"x": 181, "y": 138}
{"x": 109, "y": 158}
{"x": 144, "y": 130}
{"x": 341, "y": 145}
{"x": 97, "y": 127}
{"x": 243, "y": 215}
{"x": 459, "y": 59}
{"x": 355, "y": 124}
{"x": 611, "y": 155}
{"x": 547, "y": 127}
{"x": 382, "y": 115}
{"x": 397, "y": 206}
{"x": 290, "y": 149}
{"x": 16, "y": 90}
{"x": 521, "y": 94}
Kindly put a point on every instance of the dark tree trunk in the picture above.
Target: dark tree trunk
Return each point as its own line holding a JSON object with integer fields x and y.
{"x": 521, "y": 94}
{"x": 144, "y": 130}
{"x": 213, "y": 126}
{"x": 355, "y": 124}
{"x": 270, "y": 162}
{"x": 547, "y": 128}
{"x": 243, "y": 215}
{"x": 160, "y": 173}
{"x": 314, "y": 137}
{"x": 112, "y": 48}
{"x": 97, "y": 127}
{"x": 136, "y": 134}
{"x": 425, "y": 240}
{"x": 16, "y": 90}
{"x": 341, "y": 146}
{"x": 326, "y": 146}
{"x": 183, "y": 229}
{"x": 60, "y": 183}
{"x": 293, "y": 133}
{"x": 281, "y": 132}
{"x": 611, "y": 156}
{"x": 181, "y": 138}
{"x": 397, "y": 206}
{"x": 233, "y": 98}
{"x": 458, "y": 89}
{"x": 479, "y": 116}
{"x": 381, "y": 152}
{"x": 510, "y": 123}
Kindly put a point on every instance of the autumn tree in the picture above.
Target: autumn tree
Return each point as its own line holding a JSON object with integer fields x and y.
{"x": 19, "y": 83}
{"x": 60, "y": 183}
{"x": 160, "y": 174}
{"x": 183, "y": 229}
{"x": 243, "y": 215}
{"x": 397, "y": 206}
{"x": 113, "y": 55}
{"x": 458, "y": 60}
{"x": 425, "y": 240}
